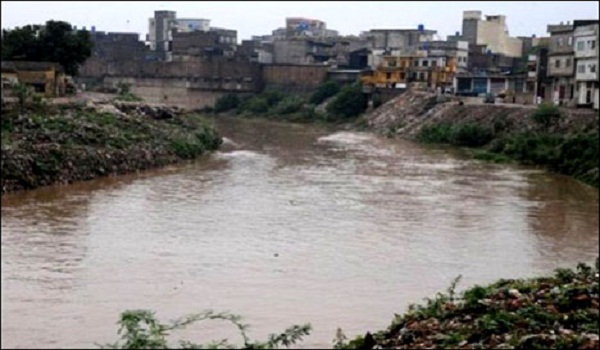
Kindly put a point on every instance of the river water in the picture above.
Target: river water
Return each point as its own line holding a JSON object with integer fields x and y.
{"x": 286, "y": 224}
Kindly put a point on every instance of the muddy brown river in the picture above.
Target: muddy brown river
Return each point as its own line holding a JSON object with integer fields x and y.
{"x": 286, "y": 224}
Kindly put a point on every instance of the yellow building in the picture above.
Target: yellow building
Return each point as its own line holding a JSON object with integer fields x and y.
{"x": 390, "y": 71}
{"x": 46, "y": 78}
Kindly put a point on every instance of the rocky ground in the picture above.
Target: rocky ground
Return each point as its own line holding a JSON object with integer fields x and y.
{"x": 557, "y": 312}
{"x": 61, "y": 143}
{"x": 405, "y": 115}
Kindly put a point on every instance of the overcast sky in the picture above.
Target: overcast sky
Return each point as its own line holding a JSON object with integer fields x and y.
{"x": 257, "y": 18}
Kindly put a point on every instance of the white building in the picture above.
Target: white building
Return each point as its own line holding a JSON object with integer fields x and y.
{"x": 586, "y": 58}
{"x": 185, "y": 25}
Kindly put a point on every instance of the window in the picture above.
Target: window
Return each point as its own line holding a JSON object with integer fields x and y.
{"x": 592, "y": 68}
{"x": 593, "y": 44}
{"x": 559, "y": 41}
{"x": 425, "y": 63}
{"x": 434, "y": 63}
{"x": 570, "y": 41}
{"x": 416, "y": 63}
{"x": 580, "y": 46}
{"x": 557, "y": 64}
{"x": 568, "y": 62}
{"x": 581, "y": 68}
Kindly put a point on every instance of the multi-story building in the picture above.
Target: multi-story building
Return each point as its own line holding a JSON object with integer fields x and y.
{"x": 160, "y": 33}
{"x": 561, "y": 63}
{"x": 586, "y": 62}
{"x": 185, "y": 25}
{"x": 405, "y": 40}
{"x": 306, "y": 27}
{"x": 491, "y": 32}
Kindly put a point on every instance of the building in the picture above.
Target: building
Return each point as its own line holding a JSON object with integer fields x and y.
{"x": 185, "y": 25}
{"x": 561, "y": 63}
{"x": 491, "y": 32}
{"x": 46, "y": 78}
{"x": 160, "y": 33}
{"x": 404, "y": 40}
{"x": 302, "y": 51}
{"x": 118, "y": 46}
{"x": 586, "y": 62}
{"x": 306, "y": 27}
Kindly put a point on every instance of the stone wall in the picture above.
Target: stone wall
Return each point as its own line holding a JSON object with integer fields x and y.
{"x": 294, "y": 78}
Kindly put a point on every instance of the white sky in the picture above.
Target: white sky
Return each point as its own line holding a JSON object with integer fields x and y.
{"x": 258, "y": 18}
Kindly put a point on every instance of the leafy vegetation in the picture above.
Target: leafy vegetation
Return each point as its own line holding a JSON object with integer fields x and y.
{"x": 468, "y": 134}
{"x": 571, "y": 154}
{"x": 56, "y": 41}
{"x": 69, "y": 143}
{"x": 226, "y": 103}
{"x": 140, "y": 329}
{"x": 547, "y": 115}
{"x": 558, "y": 312}
{"x": 324, "y": 91}
{"x": 125, "y": 94}
{"x": 349, "y": 103}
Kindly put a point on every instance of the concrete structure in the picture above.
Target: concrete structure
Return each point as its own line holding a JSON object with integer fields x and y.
{"x": 561, "y": 63}
{"x": 306, "y": 27}
{"x": 586, "y": 39}
{"x": 188, "y": 46}
{"x": 294, "y": 78}
{"x": 118, "y": 46}
{"x": 185, "y": 25}
{"x": 160, "y": 33}
{"x": 492, "y": 32}
{"x": 302, "y": 51}
{"x": 398, "y": 39}
{"x": 46, "y": 78}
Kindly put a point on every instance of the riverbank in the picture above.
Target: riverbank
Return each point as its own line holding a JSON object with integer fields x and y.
{"x": 59, "y": 144}
{"x": 559, "y": 312}
{"x": 561, "y": 140}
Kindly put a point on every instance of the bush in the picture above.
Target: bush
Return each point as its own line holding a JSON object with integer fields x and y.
{"x": 324, "y": 91}
{"x": 349, "y": 103}
{"x": 469, "y": 134}
{"x": 227, "y": 102}
{"x": 256, "y": 104}
{"x": 139, "y": 329}
{"x": 273, "y": 97}
{"x": 289, "y": 105}
{"x": 547, "y": 115}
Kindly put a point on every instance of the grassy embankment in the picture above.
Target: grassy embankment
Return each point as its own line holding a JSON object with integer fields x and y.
{"x": 345, "y": 104}
{"x": 46, "y": 144}
{"x": 553, "y": 312}
{"x": 574, "y": 154}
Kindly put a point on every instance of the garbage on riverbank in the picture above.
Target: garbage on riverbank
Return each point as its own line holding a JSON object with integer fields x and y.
{"x": 558, "y": 312}
{"x": 49, "y": 144}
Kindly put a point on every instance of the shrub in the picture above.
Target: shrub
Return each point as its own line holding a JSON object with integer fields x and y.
{"x": 227, "y": 102}
{"x": 470, "y": 135}
{"x": 139, "y": 329}
{"x": 438, "y": 133}
{"x": 547, "y": 115}
{"x": 349, "y": 103}
{"x": 273, "y": 97}
{"x": 256, "y": 104}
{"x": 289, "y": 105}
{"x": 324, "y": 91}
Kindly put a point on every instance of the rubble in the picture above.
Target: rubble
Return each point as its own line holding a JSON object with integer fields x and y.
{"x": 80, "y": 141}
{"x": 560, "y": 311}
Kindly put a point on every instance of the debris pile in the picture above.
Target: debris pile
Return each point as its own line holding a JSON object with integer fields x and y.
{"x": 558, "y": 312}
{"x": 81, "y": 141}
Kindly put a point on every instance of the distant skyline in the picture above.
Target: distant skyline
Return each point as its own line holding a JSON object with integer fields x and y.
{"x": 259, "y": 18}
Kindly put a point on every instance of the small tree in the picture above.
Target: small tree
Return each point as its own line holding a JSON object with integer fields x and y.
{"x": 349, "y": 103}
{"x": 324, "y": 91}
{"x": 23, "y": 93}
{"x": 547, "y": 115}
